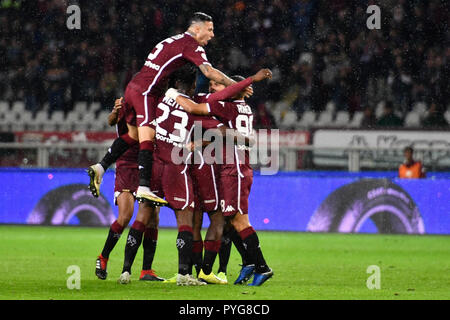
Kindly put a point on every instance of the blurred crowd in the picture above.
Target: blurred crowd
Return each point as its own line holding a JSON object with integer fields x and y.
{"x": 319, "y": 51}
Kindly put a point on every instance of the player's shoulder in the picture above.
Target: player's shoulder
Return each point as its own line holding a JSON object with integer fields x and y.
{"x": 201, "y": 97}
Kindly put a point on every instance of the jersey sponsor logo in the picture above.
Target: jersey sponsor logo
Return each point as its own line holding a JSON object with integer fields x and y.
{"x": 179, "y": 199}
{"x": 151, "y": 65}
{"x": 168, "y": 140}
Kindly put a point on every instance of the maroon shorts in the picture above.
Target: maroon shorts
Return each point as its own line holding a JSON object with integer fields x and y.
{"x": 174, "y": 183}
{"x": 234, "y": 191}
{"x": 206, "y": 188}
{"x": 126, "y": 180}
{"x": 139, "y": 109}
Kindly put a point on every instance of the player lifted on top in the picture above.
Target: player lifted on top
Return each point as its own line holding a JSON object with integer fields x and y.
{"x": 143, "y": 92}
{"x": 235, "y": 178}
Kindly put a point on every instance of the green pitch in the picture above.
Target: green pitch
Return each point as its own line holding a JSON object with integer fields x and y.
{"x": 34, "y": 262}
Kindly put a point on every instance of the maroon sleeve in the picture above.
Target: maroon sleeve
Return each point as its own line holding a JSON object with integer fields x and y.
{"x": 196, "y": 54}
{"x": 230, "y": 91}
{"x": 223, "y": 110}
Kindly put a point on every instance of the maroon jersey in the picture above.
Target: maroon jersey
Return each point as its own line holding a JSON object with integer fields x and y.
{"x": 208, "y": 122}
{"x": 130, "y": 158}
{"x": 167, "y": 56}
{"x": 239, "y": 116}
{"x": 174, "y": 127}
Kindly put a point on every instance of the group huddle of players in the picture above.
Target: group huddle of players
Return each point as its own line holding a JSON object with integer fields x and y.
{"x": 155, "y": 127}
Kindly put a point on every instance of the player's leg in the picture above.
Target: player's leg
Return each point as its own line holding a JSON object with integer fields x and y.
{"x": 149, "y": 244}
{"x": 225, "y": 249}
{"x": 235, "y": 205}
{"x": 118, "y": 147}
{"x": 134, "y": 240}
{"x": 212, "y": 245}
{"x": 184, "y": 246}
{"x": 255, "y": 257}
{"x": 125, "y": 202}
{"x": 197, "y": 244}
{"x": 146, "y": 132}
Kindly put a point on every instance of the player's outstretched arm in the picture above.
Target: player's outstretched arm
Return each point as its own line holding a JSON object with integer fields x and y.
{"x": 113, "y": 117}
{"x": 235, "y": 88}
{"x": 187, "y": 104}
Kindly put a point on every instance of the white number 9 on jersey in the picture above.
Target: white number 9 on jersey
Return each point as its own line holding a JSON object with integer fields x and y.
{"x": 244, "y": 124}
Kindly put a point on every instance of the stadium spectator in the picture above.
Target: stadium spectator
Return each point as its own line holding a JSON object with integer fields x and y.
{"x": 435, "y": 117}
{"x": 369, "y": 120}
{"x": 406, "y": 61}
{"x": 389, "y": 118}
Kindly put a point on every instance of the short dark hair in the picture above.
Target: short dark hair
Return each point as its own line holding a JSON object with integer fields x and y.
{"x": 408, "y": 148}
{"x": 199, "y": 17}
{"x": 237, "y": 78}
{"x": 184, "y": 76}
{"x": 389, "y": 105}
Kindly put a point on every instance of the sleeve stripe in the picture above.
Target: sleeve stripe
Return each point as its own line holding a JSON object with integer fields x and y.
{"x": 208, "y": 107}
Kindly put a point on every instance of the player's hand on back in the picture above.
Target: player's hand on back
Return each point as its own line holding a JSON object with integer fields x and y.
{"x": 172, "y": 93}
{"x": 261, "y": 75}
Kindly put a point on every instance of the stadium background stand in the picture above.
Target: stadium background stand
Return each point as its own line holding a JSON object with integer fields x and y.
{"x": 329, "y": 69}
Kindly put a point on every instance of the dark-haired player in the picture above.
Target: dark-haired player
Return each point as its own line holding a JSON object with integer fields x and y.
{"x": 126, "y": 183}
{"x": 142, "y": 95}
{"x": 235, "y": 178}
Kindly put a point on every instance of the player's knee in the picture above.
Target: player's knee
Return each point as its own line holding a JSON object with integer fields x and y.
{"x": 153, "y": 221}
{"x": 184, "y": 217}
{"x": 240, "y": 222}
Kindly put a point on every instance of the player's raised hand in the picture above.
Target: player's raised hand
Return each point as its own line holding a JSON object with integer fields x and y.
{"x": 118, "y": 104}
{"x": 261, "y": 75}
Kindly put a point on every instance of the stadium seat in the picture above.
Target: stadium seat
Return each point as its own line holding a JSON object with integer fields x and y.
{"x": 80, "y": 107}
{"x": 98, "y": 126}
{"x": 289, "y": 120}
{"x": 102, "y": 116}
{"x": 412, "y": 120}
{"x": 41, "y": 119}
{"x": 57, "y": 117}
{"x": 356, "y": 120}
{"x": 95, "y": 106}
{"x": 277, "y": 109}
{"x": 25, "y": 117}
{"x": 447, "y": 116}
{"x": 330, "y": 107}
{"x": 325, "y": 119}
{"x": 420, "y": 108}
{"x": 4, "y": 106}
{"x": 342, "y": 119}
{"x": 379, "y": 109}
{"x": 308, "y": 119}
{"x": 18, "y": 107}
{"x": 6, "y": 120}
{"x": 81, "y": 126}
